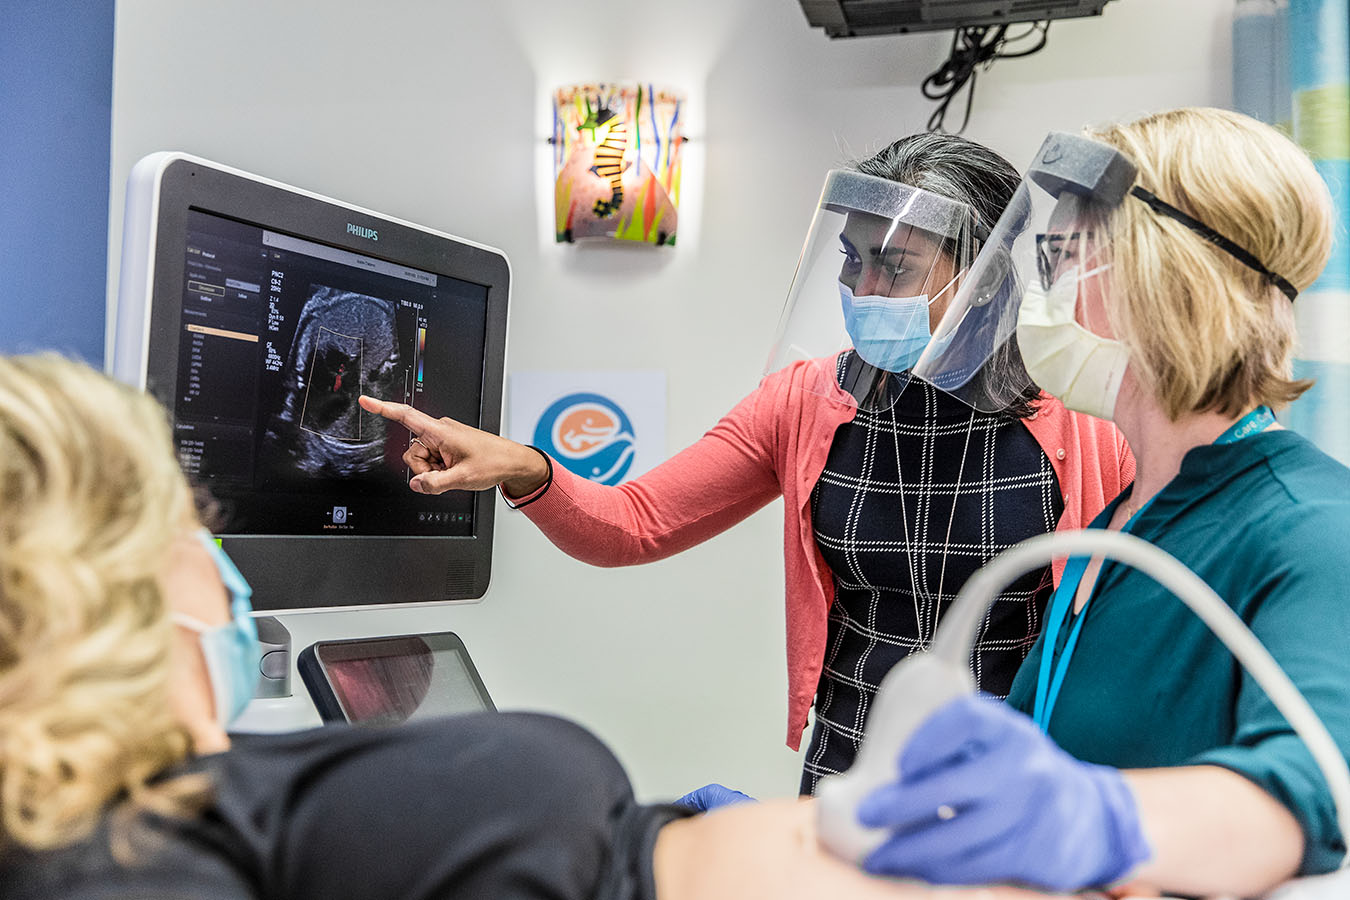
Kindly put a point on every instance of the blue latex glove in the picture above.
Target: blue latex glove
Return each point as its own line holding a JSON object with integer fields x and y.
{"x": 985, "y": 797}
{"x": 711, "y": 796}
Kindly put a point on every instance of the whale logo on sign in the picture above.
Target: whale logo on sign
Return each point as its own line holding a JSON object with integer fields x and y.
{"x": 590, "y": 435}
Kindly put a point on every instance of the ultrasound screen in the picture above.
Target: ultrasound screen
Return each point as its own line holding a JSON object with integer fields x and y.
{"x": 280, "y": 336}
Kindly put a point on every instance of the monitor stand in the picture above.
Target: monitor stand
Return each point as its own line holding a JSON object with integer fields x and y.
{"x": 275, "y": 661}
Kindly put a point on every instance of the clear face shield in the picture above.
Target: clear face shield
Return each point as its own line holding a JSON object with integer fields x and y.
{"x": 881, "y": 261}
{"x": 1019, "y": 303}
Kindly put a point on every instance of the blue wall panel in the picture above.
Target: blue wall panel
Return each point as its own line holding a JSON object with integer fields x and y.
{"x": 55, "y": 142}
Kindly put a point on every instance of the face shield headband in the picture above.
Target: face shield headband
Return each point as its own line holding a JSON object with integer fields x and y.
{"x": 1054, "y": 228}
{"x": 878, "y": 256}
{"x": 1249, "y": 260}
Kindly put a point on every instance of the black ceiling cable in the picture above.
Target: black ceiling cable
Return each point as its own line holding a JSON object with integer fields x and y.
{"x": 972, "y": 46}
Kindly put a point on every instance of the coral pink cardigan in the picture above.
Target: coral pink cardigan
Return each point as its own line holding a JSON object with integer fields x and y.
{"x": 776, "y": 441}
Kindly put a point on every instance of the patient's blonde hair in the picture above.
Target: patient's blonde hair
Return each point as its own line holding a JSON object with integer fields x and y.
{"x": 91, "y": 498}
{"x": 1205, "y": 331}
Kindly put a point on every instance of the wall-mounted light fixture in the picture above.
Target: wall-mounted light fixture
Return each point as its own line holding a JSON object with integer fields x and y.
{"x": 617, "y": 160}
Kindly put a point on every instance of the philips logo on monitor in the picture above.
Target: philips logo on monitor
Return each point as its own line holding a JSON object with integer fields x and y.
{"x": 368, "y": 233}
{"x": 590, "y": 435}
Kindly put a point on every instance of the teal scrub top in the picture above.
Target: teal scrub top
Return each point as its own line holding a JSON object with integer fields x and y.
{"x": 1266, "y": 523}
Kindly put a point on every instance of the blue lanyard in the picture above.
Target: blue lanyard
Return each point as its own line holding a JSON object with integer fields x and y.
{"x": 1047, "y": 686}
{"x": 1256, "y": 421}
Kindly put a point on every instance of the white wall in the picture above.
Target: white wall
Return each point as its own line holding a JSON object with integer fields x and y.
{"x": 436, "y": 112}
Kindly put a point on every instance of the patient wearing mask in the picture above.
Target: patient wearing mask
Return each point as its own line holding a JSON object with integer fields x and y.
{"x": 125, "y": 643}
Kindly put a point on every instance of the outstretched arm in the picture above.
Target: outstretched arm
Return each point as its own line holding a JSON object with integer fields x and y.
{"x": 447, "y": 455}
{"x": 720, "y": 480}
{"x": 768, "y": 851}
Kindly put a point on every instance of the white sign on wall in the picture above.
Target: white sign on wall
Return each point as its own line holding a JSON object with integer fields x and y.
{"x": 604, "y": 426}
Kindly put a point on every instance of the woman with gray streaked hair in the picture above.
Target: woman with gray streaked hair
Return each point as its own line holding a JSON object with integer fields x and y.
{"x": 894, "y": 492}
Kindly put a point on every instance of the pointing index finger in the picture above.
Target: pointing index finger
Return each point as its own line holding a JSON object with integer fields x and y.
{"x": 414, "y": 420}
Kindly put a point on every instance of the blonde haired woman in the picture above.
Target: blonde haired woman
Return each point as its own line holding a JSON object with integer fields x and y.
{"x": 79, "y": 520}
{"x": 1150, "y": 271}
{"x": 124, "y": 648}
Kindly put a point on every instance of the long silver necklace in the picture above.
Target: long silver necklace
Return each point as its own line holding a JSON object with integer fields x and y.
{"x": 924, "y": 633}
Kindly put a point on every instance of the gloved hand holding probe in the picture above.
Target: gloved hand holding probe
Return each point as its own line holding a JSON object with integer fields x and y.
{"x": 984, "y": 796}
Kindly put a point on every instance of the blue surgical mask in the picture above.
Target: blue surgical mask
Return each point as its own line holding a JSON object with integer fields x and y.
{"x": 888, "y": 332}
{"x": 231, "y": 651}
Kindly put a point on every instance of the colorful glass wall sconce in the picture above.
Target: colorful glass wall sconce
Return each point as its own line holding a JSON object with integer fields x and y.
{"x": 617, "y": 160}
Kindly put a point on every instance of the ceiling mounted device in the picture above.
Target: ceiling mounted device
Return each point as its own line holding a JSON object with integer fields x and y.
{"x": 860, "y": 18}
{"x": 980, "y": 34}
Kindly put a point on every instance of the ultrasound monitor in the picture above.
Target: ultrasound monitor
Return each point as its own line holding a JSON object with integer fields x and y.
{"x": 257, "y": 313}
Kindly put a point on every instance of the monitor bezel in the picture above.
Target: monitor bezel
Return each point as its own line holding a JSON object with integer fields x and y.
{"x": 291, "y": 573}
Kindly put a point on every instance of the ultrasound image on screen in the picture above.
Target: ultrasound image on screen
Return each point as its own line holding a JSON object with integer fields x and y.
{"x": 281, "y": 336}
{"x": 345, "y": 345}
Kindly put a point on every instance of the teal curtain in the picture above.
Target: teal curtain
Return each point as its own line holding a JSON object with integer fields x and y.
{"x": 1291, "y": 67}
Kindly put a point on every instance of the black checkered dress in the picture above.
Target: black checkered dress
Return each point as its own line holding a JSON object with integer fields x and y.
{"x": 890, "y": 590}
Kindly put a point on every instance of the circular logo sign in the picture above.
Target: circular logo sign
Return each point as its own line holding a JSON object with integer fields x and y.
{"x": 590, "y": 435}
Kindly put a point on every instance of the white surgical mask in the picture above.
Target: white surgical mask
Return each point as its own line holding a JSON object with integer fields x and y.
{"x": 1084, "y": 370}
